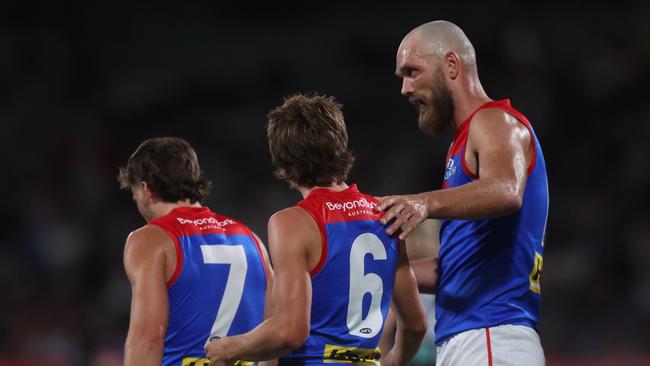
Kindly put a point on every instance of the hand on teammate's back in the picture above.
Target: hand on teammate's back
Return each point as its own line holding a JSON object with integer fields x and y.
{"x": 407, "y": 212}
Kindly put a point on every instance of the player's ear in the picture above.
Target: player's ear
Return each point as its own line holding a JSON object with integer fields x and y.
{"x": 451, "y": 63}
{"x": 147, "y": 191}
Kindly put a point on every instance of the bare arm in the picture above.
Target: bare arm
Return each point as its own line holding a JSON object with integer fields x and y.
{"x": 409, "y": 314}
{"x": 269, "y": 287}
{"x": 388, "y": 335}
{"x": 144, "y": 262}
{"x": 422, "y": 245}
{"x": 287, "y": 327}
{"x": 269, "y": 277}
{"x": 502, "y": 147}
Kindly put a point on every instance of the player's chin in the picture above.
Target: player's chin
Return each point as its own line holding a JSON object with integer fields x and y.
{"x": 428, "y": 126}
{"x": 424, "y": 120}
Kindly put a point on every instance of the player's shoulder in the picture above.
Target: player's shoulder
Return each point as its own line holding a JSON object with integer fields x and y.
{"x": 146, "y": 242}
{"x": 496, "y": 116}
{"x": 290, "y": 216}
{"x": 494, "y": 121}
{"x": 296, "y": 221}
{"x": 293, "y": 227}
{"x": 147, "y": 235}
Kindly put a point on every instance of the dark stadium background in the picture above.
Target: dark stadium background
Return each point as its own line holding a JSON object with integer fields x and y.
{"x": 82, "y": 84}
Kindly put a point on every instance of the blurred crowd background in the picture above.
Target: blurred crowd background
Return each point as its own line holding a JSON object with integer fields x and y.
{"x": 82, "y": 84}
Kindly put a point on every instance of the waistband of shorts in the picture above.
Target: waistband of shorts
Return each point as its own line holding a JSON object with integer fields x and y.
{"x": 523, "y": 322}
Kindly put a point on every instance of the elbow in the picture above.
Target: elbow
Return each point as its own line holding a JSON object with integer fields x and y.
{"x": 291, "y": 338}
{"x": 507, "y": 196}
{"x": 149, "y": 342}
{"x": 416, "y": 326}
{"x": 512, "y": 203}
{"x": 419, "y": 328}
{"x": 293, "y": 343}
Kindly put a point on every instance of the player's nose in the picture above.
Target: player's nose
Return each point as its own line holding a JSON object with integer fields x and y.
{"x": 407, "y": 87}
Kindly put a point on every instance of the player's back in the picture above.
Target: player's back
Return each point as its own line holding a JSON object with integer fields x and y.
{"x": 218, "y": 288}
{"x": 353, "y": 281}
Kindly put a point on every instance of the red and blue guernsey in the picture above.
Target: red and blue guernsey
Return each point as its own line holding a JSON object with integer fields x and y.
{"x": 218, "y": 288}
{"x": 352, "y": 285}
{"x": 490, "y": 269}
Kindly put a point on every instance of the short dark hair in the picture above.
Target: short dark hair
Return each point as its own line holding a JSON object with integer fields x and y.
{"x": 170, "y": 167}
{"x": 308, "y": 141}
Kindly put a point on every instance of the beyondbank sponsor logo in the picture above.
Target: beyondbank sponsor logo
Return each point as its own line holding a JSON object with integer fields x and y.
{"x": 205, "y": 221}
{"x": 351, "y": 205}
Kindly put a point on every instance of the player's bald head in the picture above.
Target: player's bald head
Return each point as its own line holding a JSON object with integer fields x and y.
{"x": 437, "y": 38}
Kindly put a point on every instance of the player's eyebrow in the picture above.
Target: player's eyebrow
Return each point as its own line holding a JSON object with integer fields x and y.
{"x": 402, "y": 70}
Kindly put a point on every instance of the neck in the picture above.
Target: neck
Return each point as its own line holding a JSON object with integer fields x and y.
{"x": 336, "y": 187}
{"x": 160, "y": 209}
{"x": 468, "y": 97}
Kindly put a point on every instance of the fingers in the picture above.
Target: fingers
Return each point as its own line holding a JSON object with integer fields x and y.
{"x": 211, "y": 353}
{"x": 395, "y": 210}
{"x": 405, "y": 213}
{"x": 400, "y": 221}
{"x": 407, "y": 229}
{"x": 396, "y": 207}
{"x": 385, "y": 202}
{"x": 215, "y": 352}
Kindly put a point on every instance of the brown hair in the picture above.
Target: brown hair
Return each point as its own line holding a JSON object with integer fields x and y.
{"x": 308, "y": 141}
{"x": 170, "y": 167}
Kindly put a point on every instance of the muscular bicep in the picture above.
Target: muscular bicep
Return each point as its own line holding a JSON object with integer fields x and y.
{"x": 502, "y": 148}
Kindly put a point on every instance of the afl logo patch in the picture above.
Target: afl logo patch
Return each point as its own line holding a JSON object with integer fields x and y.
{"x": 365, "y": 330}
{"x": 451, "y": 169}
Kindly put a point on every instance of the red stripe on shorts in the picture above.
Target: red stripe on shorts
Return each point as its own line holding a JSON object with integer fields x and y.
{"x": 489, "y": 347}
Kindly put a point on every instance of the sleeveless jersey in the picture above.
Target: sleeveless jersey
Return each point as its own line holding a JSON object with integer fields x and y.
{"x": 490, "y": 269}
{"x": 352, "y": 284}
{"x": 218, "y": 288}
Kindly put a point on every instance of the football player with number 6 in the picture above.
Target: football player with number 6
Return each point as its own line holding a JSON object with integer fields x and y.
{"x": 336, "y": 270}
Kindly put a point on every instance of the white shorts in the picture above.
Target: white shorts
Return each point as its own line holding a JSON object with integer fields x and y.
{"x": 503, "y": 345}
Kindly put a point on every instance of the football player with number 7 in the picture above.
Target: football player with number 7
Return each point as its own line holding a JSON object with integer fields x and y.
{"x": 195, "y": 275}
{"x": 336, "y": 270}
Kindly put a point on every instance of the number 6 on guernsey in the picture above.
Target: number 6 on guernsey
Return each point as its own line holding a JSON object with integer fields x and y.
{"x": 361, "y": 283}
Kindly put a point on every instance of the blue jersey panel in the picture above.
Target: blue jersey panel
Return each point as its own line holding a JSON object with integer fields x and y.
{"x": 489, "y": 269}
{"x": 196, "y": 297}
{"x": 344, "y": 321}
